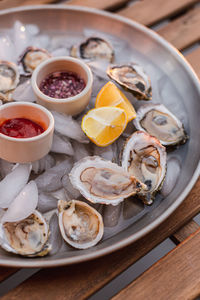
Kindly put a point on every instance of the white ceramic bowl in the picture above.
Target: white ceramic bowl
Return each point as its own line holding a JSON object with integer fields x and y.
{"x": 71, "y": 105}
{"x": 24, "y": 150}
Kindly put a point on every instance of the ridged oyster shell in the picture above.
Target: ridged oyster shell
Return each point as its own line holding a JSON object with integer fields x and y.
{"x": 9, "y": 79}
{"x": 133, "y": 79}
{"x": 158, "y": 121}
{"x": 31, "y": 58}
{"x": 94, "y": 48}
{"x": 145, "y": 158}
{"x": 102, "y": 181}
{"x": 27, "y": 237}
{"x": 81, "y": 225}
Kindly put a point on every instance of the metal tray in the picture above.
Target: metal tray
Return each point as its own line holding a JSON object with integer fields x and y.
{"x": 174, "y": 83}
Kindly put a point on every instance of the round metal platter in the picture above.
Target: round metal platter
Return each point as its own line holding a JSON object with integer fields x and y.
{"x": 174, "y": 84}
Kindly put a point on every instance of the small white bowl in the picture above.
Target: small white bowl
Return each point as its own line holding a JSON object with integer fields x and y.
{"x": 23, "y": 150}
{"x": 71, "y": 105}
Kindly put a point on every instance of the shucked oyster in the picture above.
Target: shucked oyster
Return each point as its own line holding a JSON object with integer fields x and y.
{"x": 102, "y": 181}
{"x": 145, "y": 158}
{"x": 27, "y": 237}
{"x": 9, "y": 79}
{"x": 132, "y": 78}
{"x": 158, "y": 121}
{"x": 80, "y": 224}
{"x": 94, "y": 48}
{"x": 31, "y": 58}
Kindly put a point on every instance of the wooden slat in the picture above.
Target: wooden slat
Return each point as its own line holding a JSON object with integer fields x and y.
{"x": 149, "y": 12}
{"x": 194, "y": 59}
{"x": 184, "y": 232}
{"x": 183, "y": 31}
{"x": 100, "y": 4}
{"x": 14, "y": 3}
{"x": 175, "y": 276}
{"x": 6, "y": 272}
{"x": 81, "y": 281}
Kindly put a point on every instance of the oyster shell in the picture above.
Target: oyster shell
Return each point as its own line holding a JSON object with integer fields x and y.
{"x": 93, "y": 48}
{"x": 31, "y": 58}
{"x": 158, "y": 121}
{"x": 80, "y": 224}
{"x": 9, "y": 79}
{"x": 102, "y": 181}
{"x": 133, "y": 79}
{"x": 27, "y": 237}
{"x": 145, "y": 158}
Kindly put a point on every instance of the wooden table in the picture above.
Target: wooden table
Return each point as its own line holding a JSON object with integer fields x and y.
{"x": 177, "y": 275}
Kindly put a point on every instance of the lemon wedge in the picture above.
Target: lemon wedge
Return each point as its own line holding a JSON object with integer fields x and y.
{"x": 111, "y": 95}
{"x": 104, "y": 125}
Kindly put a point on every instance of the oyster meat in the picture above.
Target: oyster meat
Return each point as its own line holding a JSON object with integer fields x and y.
{"x": 94, "y": 48}
{"x": 31, "y": 58}
{"x": 145, "y": 158}
{"x": 102, "y": 181}
{"x": 133, "y": 79}
{"x": 158, "y": 121}
{"x": 9, "y": 79}
{"x": 27, "y": 237}
{"x": 80, "y": 224}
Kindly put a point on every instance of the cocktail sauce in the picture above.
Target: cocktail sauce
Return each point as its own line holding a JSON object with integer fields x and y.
{"x": 21, "y": 128}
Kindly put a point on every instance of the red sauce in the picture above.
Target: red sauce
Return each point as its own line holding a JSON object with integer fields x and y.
{"x": 20, "y": 128}
{"x": 62, "y": 85}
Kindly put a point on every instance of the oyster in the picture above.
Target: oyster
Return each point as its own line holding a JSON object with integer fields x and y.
{"x": 31, "y": 58}
{"x": 158, "y": 121}
{"x": 9, "y": 79}
{"x": 94, "y": 48}
{"x": 80, "y": 224}
{"x": 27, "y": 237}
{"x": 145, "y": 158}
{"x": 133, "y": 79}
{"x": 102, "y": 181}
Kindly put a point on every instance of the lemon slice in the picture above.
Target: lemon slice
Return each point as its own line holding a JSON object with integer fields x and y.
{"x": 104, "y": 125}
{"x": 111, "y": 95}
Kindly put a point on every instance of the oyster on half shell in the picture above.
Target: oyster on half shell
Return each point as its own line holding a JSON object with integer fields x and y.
{"x": 27, "y": 237}
{"x": 31, "y": 58}
{"x": 93, "y": 48}
{"x": 158, "y": 121}
{"x": 9, "y": 79}
{"x": 145, "y": 158}
{"x": 101, "y": 181}
{"x": 133, "y": 79}
{"x": 80, "y": 224}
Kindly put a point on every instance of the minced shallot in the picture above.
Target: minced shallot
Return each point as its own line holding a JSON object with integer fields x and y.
{"x": 62, "y": 85}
